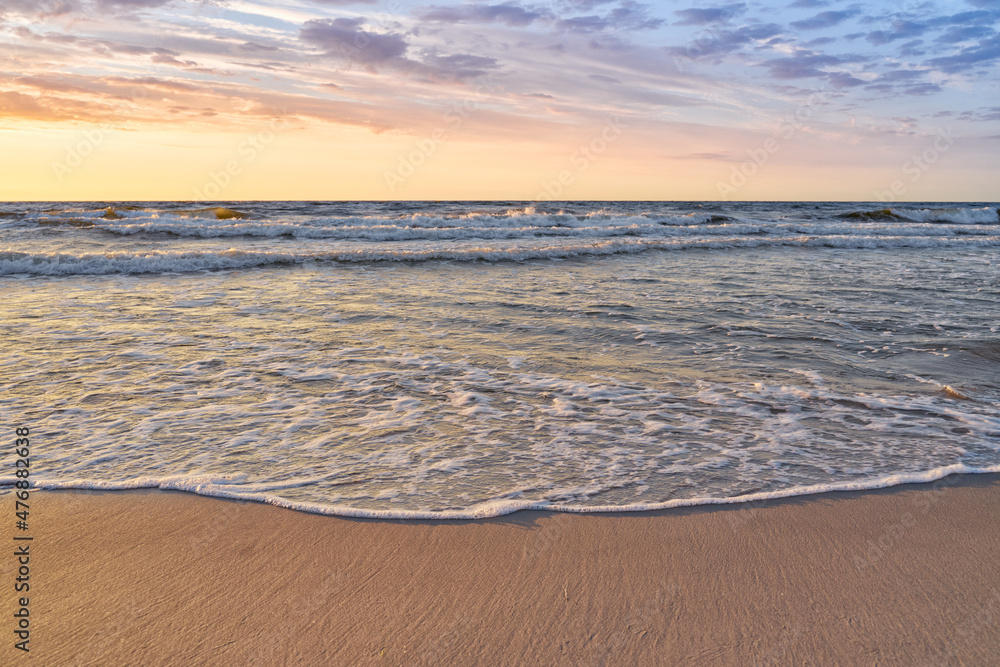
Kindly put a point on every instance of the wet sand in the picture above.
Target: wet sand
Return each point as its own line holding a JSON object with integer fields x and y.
{"x": 909, "y": 575}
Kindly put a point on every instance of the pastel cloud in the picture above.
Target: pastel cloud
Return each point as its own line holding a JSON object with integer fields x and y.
{"x": 824, "y": 20}
{"x": 344, "y": 38}
{"x": 699, "y": 16}
{"x": 535, "y": 71}
{"x": 507, "y": 13}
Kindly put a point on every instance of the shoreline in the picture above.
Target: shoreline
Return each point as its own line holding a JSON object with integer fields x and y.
{"x": 507, "y": 507}
{"x": 901, "y": 574}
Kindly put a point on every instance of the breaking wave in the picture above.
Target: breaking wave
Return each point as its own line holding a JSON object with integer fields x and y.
{"x": 12, "y": 262}
{"x": 964, "y": 216}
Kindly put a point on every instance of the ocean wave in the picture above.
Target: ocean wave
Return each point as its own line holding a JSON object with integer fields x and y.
{"x": 965, "y": 216}
{"x": 205, "y": 218}
{"x": 215, "y": 222}
{"x": 218, "y": 213}
{"x": 526, "y": 224}
{"x": 878, "y": 214}
{"x": 390, "y": 232}
{"x": 125, "y": 212}
{"x": 123, "y": 262}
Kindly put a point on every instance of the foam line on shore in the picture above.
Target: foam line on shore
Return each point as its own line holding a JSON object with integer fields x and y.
{"x": 219, "y": 488}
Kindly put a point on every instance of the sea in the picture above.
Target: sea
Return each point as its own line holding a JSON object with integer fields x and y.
{"x": 463, "y": 360}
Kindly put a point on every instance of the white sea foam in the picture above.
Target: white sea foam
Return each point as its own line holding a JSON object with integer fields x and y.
{"x": 405, "y": 362}
{"x": 644, "y": 228}
{"x": 158, "y": 261}
{"x": 361, "y": 429}
{"x": 218, "y": 488}
{"x": 967, "y": 216}
{"x": 149, "y": 239}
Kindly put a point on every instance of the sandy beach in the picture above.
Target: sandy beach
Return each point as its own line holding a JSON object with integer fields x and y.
{"x": 903, "y": 575}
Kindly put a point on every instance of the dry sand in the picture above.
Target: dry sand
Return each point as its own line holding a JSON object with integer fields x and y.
{"x": 909, "y": 575}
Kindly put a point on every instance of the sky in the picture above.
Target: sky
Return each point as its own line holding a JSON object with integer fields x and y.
{"x": 227, "y": 100}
